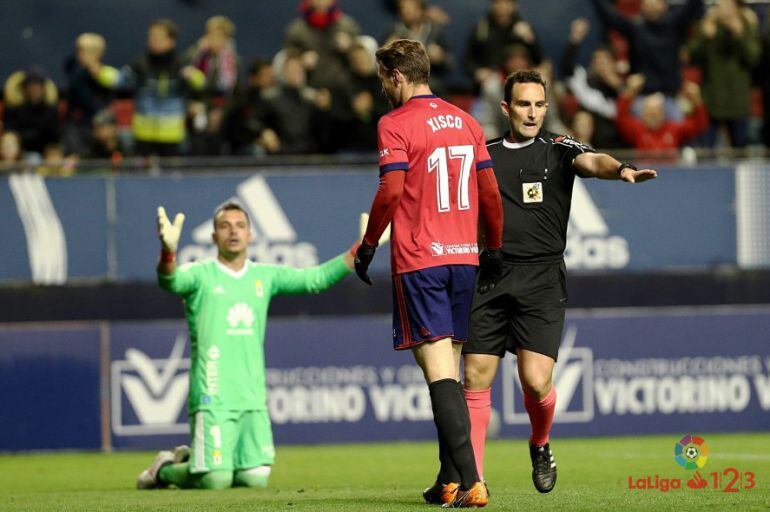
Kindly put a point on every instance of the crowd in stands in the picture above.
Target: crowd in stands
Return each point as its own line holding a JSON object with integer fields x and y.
{"x": 663, "y": 77}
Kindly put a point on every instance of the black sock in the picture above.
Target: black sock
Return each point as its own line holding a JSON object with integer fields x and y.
{"x": 450, "y": 413}
{"x": 447, "y": 472}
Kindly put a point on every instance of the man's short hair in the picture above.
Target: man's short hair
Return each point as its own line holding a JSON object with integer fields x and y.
{"x": 169, "y": 26}
{"x": 226, "y": 207}
{"x": 407, "y": 56}
{"x": 522, "y": 76}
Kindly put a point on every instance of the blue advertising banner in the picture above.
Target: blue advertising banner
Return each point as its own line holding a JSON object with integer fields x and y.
{"x": 50, "y": 382}
{"x": 53, "y": 230}
{"x": 56, "y": 229}
{"x": 338, "y": 380}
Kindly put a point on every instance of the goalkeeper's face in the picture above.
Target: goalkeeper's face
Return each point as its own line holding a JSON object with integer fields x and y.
{"x": 231, "y": 232}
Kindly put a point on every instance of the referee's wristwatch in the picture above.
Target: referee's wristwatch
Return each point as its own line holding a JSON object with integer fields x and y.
{"x": 626, "y": 165}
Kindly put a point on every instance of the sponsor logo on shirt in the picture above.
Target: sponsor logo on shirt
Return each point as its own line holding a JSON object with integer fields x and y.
{"x": 240, "y": 317}
{"x": 218, "y": 290}
{"x": 385, "y": 152}
{"x": 439, "y": 249}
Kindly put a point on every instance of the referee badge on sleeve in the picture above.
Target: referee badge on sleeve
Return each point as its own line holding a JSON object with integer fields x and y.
{"x": 532, "y": 192}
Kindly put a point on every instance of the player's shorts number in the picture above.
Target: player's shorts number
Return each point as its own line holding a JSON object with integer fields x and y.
{"x": 438, "y": 161}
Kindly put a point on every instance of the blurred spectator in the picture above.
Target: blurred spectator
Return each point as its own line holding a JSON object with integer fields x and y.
{"x": 583, "y": 127}
{"x": 493, "y": 35}
{"x": 161, "y": 84}
{"x": 435, "y": 13}
{"x": 727, "y": 47}
{"x": 85, "y": 96}
{"x": 106, "y": 142}
{"x": 215, "y": 55}
{"x": 55, "y": 162}
{"x": 762, "y": 77}
{"x": 367, "y": 102}
{"x": 653, "y": 131}
{"x": 654, "y": 38}
{"x": 486, "y": 108}
{"x": 31, "y": 110}
{"x": 324, "y": 35}
{"x": 10, "y": 152}
{"x": 413, "y": 23}
{"x": 596, "y": 88}
{"x": 553, "y": 95}
{"x": 248, "y": 120}
{"x": 302, "y": 113}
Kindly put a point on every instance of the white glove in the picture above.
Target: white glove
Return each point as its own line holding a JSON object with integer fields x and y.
{"x": 364, "y": 221}
{"x": 168, "y": 232}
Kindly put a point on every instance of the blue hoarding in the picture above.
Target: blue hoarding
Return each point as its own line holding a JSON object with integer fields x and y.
{"x": 51, "y": 388}
{"x": 56, "y": 229}
{"x": 336, "y": 379}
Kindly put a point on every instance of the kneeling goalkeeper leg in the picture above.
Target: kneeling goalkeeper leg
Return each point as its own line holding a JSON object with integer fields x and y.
{"x": 180, "y": 476}
{"x": 252, "y": 477}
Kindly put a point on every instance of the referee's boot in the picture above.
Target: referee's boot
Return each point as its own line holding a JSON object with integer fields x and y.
{"x": 440, "y": 493}
{"x": 543, "y": 467}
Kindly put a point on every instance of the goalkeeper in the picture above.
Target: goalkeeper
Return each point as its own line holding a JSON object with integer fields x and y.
{"x": 226, "y": 301}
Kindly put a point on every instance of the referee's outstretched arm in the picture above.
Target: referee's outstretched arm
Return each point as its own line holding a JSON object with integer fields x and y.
{"x": 605, "y": 167}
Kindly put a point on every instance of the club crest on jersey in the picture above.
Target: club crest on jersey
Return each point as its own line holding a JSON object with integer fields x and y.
{"x": 532, "y": 192}
{"x": 258, "y": 289}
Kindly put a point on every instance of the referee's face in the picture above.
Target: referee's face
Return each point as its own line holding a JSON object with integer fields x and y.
{"x": 526, "y": 111}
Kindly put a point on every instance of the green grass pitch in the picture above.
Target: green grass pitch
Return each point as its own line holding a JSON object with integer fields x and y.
{"x": 593, "y": 475}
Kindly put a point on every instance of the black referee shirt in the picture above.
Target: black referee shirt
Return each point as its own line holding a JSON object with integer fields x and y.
{"x": 535, "y": 180}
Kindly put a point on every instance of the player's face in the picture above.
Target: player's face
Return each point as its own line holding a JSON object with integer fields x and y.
{"x": 526, "y": 111}
{"x": 231, "y": 232}
{"x": 389, "y": 85}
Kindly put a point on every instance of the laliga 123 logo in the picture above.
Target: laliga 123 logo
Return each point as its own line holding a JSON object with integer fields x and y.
{"x": 274, "y": 239}
{"x": 149, "y": 395}
{"x": 691, "y": 453}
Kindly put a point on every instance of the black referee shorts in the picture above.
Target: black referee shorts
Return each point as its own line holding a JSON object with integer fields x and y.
{"x": 525, "y": 310}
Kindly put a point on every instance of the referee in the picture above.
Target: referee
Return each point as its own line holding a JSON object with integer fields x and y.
{"x": 523, "y": 312}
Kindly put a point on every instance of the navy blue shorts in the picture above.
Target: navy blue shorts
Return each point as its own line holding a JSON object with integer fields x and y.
{"x": 432, "y": 304}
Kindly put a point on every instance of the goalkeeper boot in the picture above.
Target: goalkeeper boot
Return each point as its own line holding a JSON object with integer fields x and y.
{"x": 440, "y": 493}
{"x": 181, "y": 453}
{"x": 543, "y": 467}
{"x": 148, "y": 479}
{"x": 475, "y": 497}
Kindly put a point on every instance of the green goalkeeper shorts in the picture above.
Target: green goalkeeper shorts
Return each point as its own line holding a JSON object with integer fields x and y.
{"x": 230, "y": 440}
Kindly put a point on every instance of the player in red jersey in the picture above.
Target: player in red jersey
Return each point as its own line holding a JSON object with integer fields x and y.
{"x": 435, "y": 178}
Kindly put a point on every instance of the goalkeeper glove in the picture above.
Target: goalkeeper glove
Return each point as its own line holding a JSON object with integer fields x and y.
{"x": 168, "y": 232}
{"x": 490, "y": 269}
{"x": 364, "y": 256}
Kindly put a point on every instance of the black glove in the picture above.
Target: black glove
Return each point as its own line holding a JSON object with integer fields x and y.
{"x": 364, "y": 256}
{"x": 490, "y": 269}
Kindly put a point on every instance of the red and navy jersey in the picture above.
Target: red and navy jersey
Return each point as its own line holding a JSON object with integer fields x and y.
{"x": 441, "y": 148}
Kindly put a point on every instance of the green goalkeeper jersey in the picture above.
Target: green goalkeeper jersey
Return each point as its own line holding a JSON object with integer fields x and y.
{"x": 226, "y": 315}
